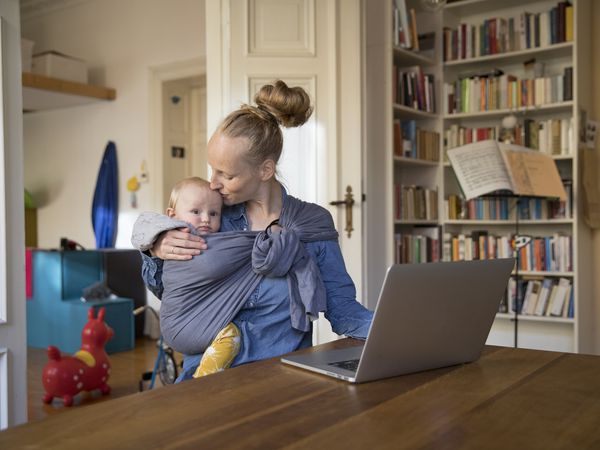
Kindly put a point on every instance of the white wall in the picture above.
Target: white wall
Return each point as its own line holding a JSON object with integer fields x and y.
{"x": 121, "y": 41}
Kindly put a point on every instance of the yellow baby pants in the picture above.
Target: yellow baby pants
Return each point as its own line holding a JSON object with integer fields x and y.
{"x": 221, "y": 352}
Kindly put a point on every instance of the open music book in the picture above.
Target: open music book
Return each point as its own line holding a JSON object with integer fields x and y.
{"x": 488, "y": 166}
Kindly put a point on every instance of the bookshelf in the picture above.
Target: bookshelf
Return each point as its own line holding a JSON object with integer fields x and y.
{"x": 557, "y": 56}
{"x": 396, "y": 175}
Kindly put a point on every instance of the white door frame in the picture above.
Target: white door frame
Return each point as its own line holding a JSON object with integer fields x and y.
{"x": 343, "y": 112}
{"x": 13, "y": 329}
{"x": 158, "y": 75}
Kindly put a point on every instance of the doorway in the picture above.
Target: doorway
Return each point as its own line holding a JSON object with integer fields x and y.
{"x": 184, "y": 131}
{"x": 177, "y": 119}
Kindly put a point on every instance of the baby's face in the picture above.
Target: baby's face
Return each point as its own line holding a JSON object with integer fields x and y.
{"x": 200, "y": 207}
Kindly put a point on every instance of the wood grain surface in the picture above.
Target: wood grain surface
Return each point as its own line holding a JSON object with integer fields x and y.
{"x": 509, "y": 398}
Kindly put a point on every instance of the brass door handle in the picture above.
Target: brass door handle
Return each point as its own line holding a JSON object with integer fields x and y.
{"x": 349, "y": 202}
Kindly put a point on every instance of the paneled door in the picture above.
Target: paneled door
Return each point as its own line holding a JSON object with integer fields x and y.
{"x": 314, "y": 44}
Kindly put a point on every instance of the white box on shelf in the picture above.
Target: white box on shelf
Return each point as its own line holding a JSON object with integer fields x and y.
{"x": 26, "y": 54}
{"x": 57, "y": 65}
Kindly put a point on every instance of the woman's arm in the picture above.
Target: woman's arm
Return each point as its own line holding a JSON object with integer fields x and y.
{"x": 165, "y": 237}
{"x": 347, "y": 316}
{"x": 179, "y": 244}
{"x": 156, "y": 244}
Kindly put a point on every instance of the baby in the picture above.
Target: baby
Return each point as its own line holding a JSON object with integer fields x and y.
{"x": 193, "y": 201}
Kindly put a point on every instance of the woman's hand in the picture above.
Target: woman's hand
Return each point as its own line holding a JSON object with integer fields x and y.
{"x": 178, "y": 244}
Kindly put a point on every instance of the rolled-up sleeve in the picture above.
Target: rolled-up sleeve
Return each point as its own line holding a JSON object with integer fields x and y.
{"x": 152, "y": 274}
{"x": 346, "y": 315}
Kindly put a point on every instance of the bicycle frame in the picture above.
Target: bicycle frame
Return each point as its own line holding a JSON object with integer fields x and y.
{"x": 161, "y": 354}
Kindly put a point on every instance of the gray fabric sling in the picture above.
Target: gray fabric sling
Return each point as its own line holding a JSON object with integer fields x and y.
{"x": 204, "y": 294}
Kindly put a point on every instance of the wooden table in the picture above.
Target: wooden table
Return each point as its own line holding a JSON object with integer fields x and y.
{"x": 509, "y": 399}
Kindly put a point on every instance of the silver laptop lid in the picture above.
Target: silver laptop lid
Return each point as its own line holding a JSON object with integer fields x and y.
{"x": 432, "y": 315}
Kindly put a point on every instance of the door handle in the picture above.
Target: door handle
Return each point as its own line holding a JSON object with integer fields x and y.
{"x": 349, "y": 202}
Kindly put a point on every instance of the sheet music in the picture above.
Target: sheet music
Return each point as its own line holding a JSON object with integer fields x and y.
{"x": 532, "y": 173}
{"x": 479, "y": 168}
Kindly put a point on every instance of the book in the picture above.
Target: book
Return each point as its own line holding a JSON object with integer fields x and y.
{"x": 561, "y": 296}
{"x": 531, "y": 296}
{"x": 413, "y": 29}
{"x": 542, "y": 303}
{"x": 568, "y": 296}
{"x": 569, "y": 23}
{"x": 405, "y": 34}
{"x": 489, "y": 166}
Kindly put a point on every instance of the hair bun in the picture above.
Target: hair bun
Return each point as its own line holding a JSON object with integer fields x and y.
{"x": 289, "y": 105}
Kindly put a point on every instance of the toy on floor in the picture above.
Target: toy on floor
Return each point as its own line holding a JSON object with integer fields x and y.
{"x": 89, "y": 369}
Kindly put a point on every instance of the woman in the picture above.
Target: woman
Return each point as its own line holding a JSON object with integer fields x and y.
{"x": 243, "y": 153}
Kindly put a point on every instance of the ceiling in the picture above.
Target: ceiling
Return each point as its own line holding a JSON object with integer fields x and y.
{"x": 31, "y": 9}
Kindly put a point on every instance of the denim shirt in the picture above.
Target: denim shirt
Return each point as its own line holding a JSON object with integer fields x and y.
{"x": 264, "y": 320}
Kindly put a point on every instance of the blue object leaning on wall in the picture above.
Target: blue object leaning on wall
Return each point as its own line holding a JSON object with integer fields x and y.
{"x": 105, "y": 207}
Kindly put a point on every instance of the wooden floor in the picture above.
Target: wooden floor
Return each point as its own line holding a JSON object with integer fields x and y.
{"x": 126, "y": 372}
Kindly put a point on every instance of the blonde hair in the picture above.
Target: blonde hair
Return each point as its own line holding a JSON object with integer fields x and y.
{"x": 276, "y": 104}
{"x": 201, "y": 182}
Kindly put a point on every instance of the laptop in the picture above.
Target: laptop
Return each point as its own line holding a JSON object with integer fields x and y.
{"x": 428, "y": 316}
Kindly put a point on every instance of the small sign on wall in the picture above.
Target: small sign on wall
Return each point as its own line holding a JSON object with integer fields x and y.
{"x": 177, "y": 152}
{"x": 591, "y": 131}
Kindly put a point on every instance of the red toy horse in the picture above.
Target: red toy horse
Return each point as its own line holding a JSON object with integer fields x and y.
{"x": 88, "y": 369}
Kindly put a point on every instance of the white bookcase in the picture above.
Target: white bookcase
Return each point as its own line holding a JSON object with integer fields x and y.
{"x": 383, "y": 169}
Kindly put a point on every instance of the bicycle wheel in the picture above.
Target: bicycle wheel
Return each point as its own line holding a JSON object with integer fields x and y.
{"x": 167, "y": 368}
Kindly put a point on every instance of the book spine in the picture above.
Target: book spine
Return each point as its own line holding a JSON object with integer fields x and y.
{"x": 569, "y": 23}
{"x": 568, "y": 84}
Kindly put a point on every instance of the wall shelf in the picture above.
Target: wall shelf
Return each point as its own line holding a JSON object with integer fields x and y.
{"x": 42, "y": 93}
{"x": 415, "y": 161}
{"x": 408, "y": 57}
{"x": 412, "y": 113}
{"x": 553, "y": 51}
{"x": 531, "y": 318}
{"x": 550, "y": 107}
{"x": 510, "y": 223}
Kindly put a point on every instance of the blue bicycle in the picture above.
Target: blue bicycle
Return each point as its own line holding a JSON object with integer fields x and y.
{"x": 165, "y": 366}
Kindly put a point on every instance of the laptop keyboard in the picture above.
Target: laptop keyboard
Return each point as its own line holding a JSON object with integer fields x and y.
{"x": 351, "y": 364}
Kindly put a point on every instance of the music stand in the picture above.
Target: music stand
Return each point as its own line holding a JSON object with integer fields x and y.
{"x": 517, "y": 250}
{"x": 524, "y": 177}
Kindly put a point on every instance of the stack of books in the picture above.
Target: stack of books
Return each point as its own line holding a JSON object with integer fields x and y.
{"x": 503, "y": 208}
{"x": 547, "y": 254}
{"x": 496, "y": 90}
{"x": 500, "y": 35}
{"x": 457, "y": 135}
{"x": 413, "y": 88}
{"x": 551, "y": 136}
{"x": 411, "y": 141}
{"x": 476, "y": 245}
{"x": 404, "y": 27}
{"x": 548, "y": 297}
{"x": 418, "y": 246}
{"x": 415, "y": 203}
{"x": 541, "y": 254}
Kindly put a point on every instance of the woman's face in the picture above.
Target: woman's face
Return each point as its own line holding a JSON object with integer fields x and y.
{"x": 236, "y": 178}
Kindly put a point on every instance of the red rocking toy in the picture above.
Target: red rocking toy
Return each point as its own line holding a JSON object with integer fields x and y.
{"x": 89, "y": 369}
